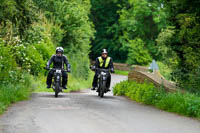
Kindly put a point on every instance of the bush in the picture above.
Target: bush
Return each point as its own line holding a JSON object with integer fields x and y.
{"x": 29, "y": 59}
{"x": 165, "y": 70}
{"x": 8, "y": 67}
{"x": 45, "y": 49}
{"x": 181, "y": 103}
{"x": 33, "y": 57}
{"x": 145, "y": 93}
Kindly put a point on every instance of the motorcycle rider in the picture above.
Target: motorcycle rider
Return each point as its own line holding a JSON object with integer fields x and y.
{"x": 104, "y": 62}
{"x": 58, "y": 62}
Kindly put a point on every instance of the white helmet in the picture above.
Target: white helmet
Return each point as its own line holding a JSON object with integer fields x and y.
{"x": 59, "y": 49}
{"x": 104, "y": 51}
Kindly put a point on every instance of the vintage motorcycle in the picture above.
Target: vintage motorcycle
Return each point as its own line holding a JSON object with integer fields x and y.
{"x": 102, "y": 81}
{"x": 56, "y": 85}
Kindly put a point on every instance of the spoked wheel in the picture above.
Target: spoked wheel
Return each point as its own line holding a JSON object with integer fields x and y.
{"x": 57, "y": 89}
{"x": 56, "y": 94}
{"x": 98, "y": 92}
{"x": 102, "y": 89}
{"x": 98, "y": 89}
{"x": 101, "y": 92}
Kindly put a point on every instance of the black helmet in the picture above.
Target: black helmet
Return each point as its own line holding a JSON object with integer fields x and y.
{"x": 104, "y": 51}
{"x": 59, "y": 49}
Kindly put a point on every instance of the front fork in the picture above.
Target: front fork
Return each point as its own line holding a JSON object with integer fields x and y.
{"x": 57, "y": 81}
{"x": 104, "y": 81}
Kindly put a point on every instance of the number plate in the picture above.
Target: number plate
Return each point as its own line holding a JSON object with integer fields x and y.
{"x": 58, "y": 71}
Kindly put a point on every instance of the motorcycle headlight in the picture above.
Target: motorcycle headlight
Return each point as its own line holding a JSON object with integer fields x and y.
{"x": 103, "y": 73}
{"x": 58, "y": 71}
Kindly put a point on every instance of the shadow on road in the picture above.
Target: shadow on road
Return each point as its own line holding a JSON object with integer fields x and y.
{"x": 72, "y": 94}
{"x": 52, "y": 95}
{"x": 96, "y": 96}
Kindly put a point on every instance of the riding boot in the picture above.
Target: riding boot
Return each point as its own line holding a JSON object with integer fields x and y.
{"x": 64, "y": 80}
{"x": 93, "y": 88}
{"x": 64, "y": 87}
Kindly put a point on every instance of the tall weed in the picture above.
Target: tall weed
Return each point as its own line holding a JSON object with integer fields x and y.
{"x": 13, "y": 92}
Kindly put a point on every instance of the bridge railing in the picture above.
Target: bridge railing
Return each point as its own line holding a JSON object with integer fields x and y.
{"x": 141, "y": 74}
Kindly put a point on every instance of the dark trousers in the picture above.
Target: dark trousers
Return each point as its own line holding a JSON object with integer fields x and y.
{"x": 64, "y": 78}
{"x": 95, "y": 79}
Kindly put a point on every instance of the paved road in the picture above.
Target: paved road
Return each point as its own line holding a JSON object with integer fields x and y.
{"x": 84, "y": 112}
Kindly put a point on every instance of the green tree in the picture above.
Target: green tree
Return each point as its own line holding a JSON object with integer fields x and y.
{"x": 72, "y": 16}
{"x": 143, "y": 19}
{"x": 184, "y": 17}
{"x": 137, "y": 54}
{"x": 104, "y": 15}
{"x": 118, "y": 22}
{"x": 16, "y": 16}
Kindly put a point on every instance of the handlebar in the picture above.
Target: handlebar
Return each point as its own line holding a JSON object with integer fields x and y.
{"x": 56, "y": 69}
{"x": 101, "y": 69}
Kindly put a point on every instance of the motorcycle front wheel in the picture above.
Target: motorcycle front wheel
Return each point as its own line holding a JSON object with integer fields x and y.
{"x": 102, "y": 89}
{"x": 57, "y": 86}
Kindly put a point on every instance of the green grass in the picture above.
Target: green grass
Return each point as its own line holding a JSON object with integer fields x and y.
{"x": 120, "y": 72}
{"x": 74, "y": 84}
{"x": 14, "y": 92}
{"x": 186, "y": 104}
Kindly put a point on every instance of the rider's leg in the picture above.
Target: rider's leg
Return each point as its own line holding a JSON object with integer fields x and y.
{"x": 94, "y": 83}
{"x": 108, "y": 82}
{"x": 49, "y": 79}
{"x": 64, "y": 79}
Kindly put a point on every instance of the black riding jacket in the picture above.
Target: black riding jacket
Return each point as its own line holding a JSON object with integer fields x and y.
{"x": 58, "y": 62}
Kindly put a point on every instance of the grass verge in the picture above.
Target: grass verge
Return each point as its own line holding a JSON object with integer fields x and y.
{"x": 120, "y": 72}
{"x": 14, "y": 92}
{"x": 74, "y": 84}
{"x": 186, "y": 104}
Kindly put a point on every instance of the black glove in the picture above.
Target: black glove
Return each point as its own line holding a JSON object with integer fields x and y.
{"x": 68, "y": 70}
{"x": 112, "y": 70}
{"x": 47, "y": 67}
{"x": 92, "y": 68}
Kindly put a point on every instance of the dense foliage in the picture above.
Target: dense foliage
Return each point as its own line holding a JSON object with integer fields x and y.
{"x": 122, "y": 22}
{"x": 29, "y": 41}
{"x": 184, "y": 104}
{"x": 168, "y": 31}
{"x": 104, "y": 15}
{"x": 30, "y": 30}
{"x": 182, "y": 41}
{"x": 77, "y": 30}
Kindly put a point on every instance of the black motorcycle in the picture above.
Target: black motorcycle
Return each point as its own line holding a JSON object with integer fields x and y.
{"x": 102, "y": 81}
{"x": 56, "y": 85}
